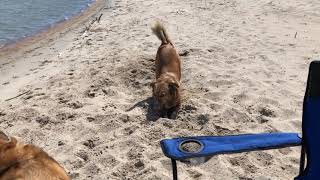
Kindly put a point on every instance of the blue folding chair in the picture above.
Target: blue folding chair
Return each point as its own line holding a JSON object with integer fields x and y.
{"x": 310, "y": 141}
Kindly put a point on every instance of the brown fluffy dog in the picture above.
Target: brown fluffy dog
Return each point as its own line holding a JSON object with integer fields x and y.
{"x": 27, "y": 162}
{"x": 166, "y": 88}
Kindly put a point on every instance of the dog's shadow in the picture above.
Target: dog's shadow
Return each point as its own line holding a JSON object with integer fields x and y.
{"x": 147, "y": 104}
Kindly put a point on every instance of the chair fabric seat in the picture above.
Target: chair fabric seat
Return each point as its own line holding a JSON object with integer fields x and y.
{"x": 213, "y": 145}
{"x": 311, "y": 125}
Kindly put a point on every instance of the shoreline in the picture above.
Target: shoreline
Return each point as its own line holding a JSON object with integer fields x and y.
{"x": 49, "y": 33}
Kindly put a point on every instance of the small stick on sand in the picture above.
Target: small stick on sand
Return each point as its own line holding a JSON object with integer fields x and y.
{"x": 99, "y": 18}
{"x": 17, "y": 96}
{"x": 295, "y": 36}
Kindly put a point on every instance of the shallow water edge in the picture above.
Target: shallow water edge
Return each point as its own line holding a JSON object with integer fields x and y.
{"x": 52, "y": 30}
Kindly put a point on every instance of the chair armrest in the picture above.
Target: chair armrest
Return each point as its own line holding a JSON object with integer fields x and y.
{"x": 213, "y": 145}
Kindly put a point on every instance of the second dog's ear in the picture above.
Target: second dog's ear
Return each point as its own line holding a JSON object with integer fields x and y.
{"x": 3, "y": 136}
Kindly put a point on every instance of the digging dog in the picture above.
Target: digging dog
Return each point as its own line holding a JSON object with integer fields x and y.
{"x": 166, "y": 88}
{"x": 27, "y": 162}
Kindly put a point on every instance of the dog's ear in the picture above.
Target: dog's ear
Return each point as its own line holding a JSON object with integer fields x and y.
{"x": 3, "y": 136}
{"x": 8, "y": 144}
{"x": 173, "y": 87}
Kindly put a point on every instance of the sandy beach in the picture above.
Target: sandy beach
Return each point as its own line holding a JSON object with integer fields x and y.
{"x": 84, "y": 95}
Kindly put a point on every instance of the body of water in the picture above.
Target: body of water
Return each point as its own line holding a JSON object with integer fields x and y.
{"x": 21, "y": 18}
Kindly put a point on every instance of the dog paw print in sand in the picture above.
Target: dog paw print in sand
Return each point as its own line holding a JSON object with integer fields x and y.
{"x": 63, "y": 98}
{"x": 43, "y": 120}
{"x": 64, "y": 116}
{"x": 89, "y": 144}
{"x": 102, "y": 89}
{"x": 267, "y": 112}
{"x": 245, "y": 163}
{"x": 108, "y": 161}
{"x": 75, "y": 105}
{"x": 263, "y": 158}
{"x": 139, "y": 78}
{"x": 195, "y": 174}
{"x": 138, "y": 74}
{"x": 91, "y": 92}
{"x": 129, "y": 169}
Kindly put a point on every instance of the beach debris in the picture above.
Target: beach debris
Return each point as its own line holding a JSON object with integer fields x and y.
{"x": 87, "y": 28}
{"x": 295, "y": 35}
{"x": 18, "y": 95}
{"x": 99, "y": 18}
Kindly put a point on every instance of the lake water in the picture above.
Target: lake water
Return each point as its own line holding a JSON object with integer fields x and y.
{"x": 21, "y": 18}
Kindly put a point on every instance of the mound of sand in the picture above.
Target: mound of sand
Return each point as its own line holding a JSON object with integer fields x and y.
{"x": 85, "y": 97}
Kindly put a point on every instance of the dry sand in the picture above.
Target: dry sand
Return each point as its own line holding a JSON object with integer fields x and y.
{"x": 87, "y": 99}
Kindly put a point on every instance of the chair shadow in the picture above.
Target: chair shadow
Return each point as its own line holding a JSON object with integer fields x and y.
{"x": 148, "y": 105}
{"x": 196, "y": 160}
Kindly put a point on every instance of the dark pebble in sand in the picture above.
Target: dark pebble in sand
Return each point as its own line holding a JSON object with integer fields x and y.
{"x": 90, "y": 119}
{"x": 2, "y": 113}
{"x": 60, "y": 143}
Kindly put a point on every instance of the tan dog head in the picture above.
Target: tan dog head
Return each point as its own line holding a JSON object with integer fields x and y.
{"x": 166, "y": 92}
{"x": 7, "y": 148}
{"x": 26, "y": 161}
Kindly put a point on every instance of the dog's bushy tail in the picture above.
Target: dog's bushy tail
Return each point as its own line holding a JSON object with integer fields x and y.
{"x": 160, "y": 32}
